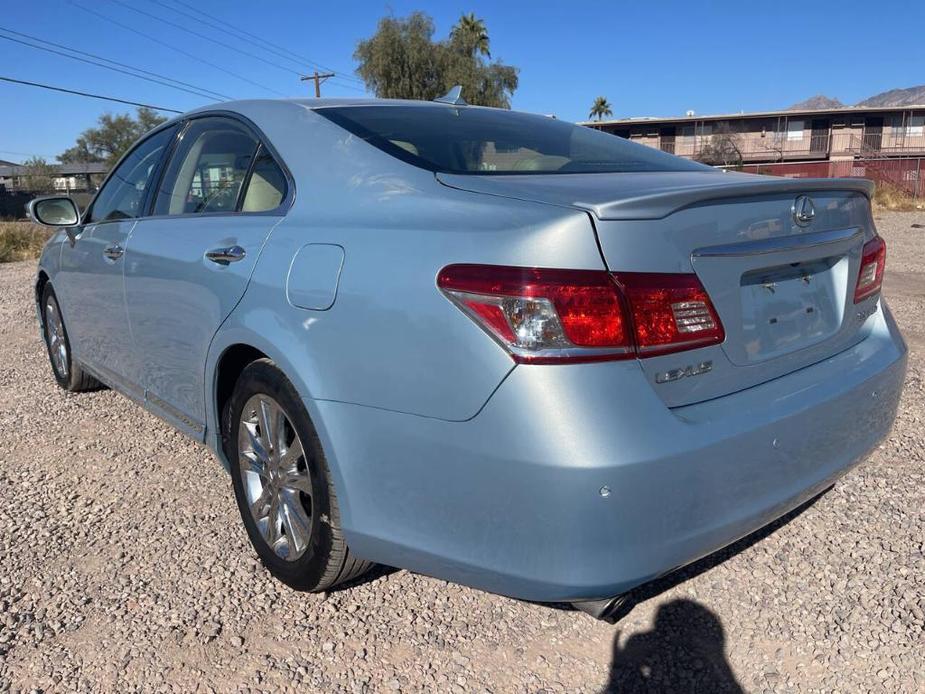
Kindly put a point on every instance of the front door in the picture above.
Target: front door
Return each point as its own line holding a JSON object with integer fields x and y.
{"x": 90, "y": 285}
{"x": 187, "y": 266}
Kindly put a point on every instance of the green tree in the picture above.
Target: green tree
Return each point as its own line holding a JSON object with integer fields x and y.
{"x": 112, "y": 136}
{"x": 39, "y": 176}
{"x": 471, "y": 35}
{"x": 402, "y": 61}
{"x": 600, "y": 108}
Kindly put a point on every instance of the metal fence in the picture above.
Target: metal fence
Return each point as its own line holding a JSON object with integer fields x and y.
{"x": 903, "y": 173}
{"x": 13, "y": 202}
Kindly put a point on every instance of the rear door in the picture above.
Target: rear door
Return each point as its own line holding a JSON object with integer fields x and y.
{"x": 187, "y": 266}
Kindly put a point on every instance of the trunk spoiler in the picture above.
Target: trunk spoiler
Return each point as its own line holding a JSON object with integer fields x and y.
{"x": 625, "y": 196}
{"x": 660, "y": 204}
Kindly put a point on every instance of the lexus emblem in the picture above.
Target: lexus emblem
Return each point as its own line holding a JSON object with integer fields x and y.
{"x": 803, "y": 210}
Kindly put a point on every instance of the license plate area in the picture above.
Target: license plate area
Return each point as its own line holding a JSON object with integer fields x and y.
{"x": 785, "y": 308}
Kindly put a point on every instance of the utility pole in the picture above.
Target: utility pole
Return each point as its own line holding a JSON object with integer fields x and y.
{"x": 318, "y": 79}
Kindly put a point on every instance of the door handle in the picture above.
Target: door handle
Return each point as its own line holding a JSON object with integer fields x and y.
{"x": 113, "y": 252}
{"x": 223, "y": 256}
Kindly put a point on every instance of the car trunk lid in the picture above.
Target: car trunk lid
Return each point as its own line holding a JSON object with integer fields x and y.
{"x": 783, "y": 288}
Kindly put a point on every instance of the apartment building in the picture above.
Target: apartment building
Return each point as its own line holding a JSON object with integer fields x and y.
{"x": 784, "y": 136}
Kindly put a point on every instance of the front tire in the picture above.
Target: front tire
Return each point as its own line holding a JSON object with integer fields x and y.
{"x": 67, "y": 373}
{"x": 282, "y": 483}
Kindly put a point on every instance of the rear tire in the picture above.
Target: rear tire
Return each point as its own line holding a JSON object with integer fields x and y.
{"x": 282, "y": 483}
{"x": 68, "y": 374}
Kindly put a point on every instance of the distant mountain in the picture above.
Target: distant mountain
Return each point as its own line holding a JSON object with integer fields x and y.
{"x": 911, "y": 96}
{"x": 897, "y": 97}
{"x": 820, "y": 101}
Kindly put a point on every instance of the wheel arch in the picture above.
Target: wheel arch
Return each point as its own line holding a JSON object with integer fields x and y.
{"x": 41, "y": 281}
{"x": 232, "y": 349}
{"x": 228, "y": 368}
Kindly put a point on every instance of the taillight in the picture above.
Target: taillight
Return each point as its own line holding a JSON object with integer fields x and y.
{"x": 870, "y": 276}
{"x": 556, "y": 316}
{"x": 542, "y": 315}
{"x": 671, "y": 312}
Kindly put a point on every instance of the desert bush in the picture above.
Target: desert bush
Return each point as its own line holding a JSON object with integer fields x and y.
{"x": 21, "y": 241}
{"x": 889, "y": 197}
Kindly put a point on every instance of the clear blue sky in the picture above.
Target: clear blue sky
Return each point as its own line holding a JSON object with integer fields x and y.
{"x": 646, "y": 58}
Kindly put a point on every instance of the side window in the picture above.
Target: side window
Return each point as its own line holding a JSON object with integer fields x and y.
{"x": 267, "y": 185}
{"x": 208, "y": 168}
{"x": 123, "y": 194}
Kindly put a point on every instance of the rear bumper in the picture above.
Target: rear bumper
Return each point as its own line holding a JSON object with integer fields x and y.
{"x": 510, "y": 501}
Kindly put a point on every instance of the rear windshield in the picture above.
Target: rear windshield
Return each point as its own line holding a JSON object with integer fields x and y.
{"x": 473, "y": 140}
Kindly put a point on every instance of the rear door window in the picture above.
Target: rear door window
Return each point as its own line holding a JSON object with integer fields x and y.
{"x": 208, "y": 169}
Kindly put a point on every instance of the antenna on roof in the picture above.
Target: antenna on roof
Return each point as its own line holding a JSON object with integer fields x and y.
{"x": 454, "y": 96}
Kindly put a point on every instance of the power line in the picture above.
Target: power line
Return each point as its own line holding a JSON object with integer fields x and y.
{"x": 174, "y": 48}
{"x": 250, "y": 38}
{"x": 206, "y": 37}
{"x": 344, "y": 85}
{"x": 104, "y": 66}
{"x": 318, "y": 80}
{"x": 26, "y": 154}
{"x": 267, "y": 45}
{"x": 202, "y": 90}
{"x": 234, "y": 33}
{"x": 87, "y": 94}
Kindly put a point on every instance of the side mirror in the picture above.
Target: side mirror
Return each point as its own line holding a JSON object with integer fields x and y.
{"x": 55, "y": 212}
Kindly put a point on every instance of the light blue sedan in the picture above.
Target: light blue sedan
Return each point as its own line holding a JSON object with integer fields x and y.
{"x": 488, "y": 346}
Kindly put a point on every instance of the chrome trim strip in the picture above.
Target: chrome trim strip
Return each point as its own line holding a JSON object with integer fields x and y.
{"x": 796, "y": 242}
{"x": 173, "y": 413}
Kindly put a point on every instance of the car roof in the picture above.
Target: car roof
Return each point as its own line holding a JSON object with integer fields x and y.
{"x": 314, "y": 104}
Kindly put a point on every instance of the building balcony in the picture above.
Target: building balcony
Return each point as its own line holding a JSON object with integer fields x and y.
{"x": 753, "y": 147}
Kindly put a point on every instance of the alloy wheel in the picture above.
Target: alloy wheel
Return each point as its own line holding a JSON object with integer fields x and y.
{"x": 54, "y": 333}
{"x": 275, "y": 477}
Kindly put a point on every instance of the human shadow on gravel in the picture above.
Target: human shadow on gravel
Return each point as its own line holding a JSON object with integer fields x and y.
{"x": 653, "y": 589}
{"x": 684, "y": 652}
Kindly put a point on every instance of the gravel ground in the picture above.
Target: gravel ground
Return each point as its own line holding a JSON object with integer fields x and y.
{"x": 124, "y": 566}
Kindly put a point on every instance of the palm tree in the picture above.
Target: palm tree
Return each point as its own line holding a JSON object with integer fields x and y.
{"x": 600, "y": 108}
{"x": 470, "y": 33}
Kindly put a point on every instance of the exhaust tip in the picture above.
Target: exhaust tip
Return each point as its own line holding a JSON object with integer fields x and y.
{"x": 607, "y": 610}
